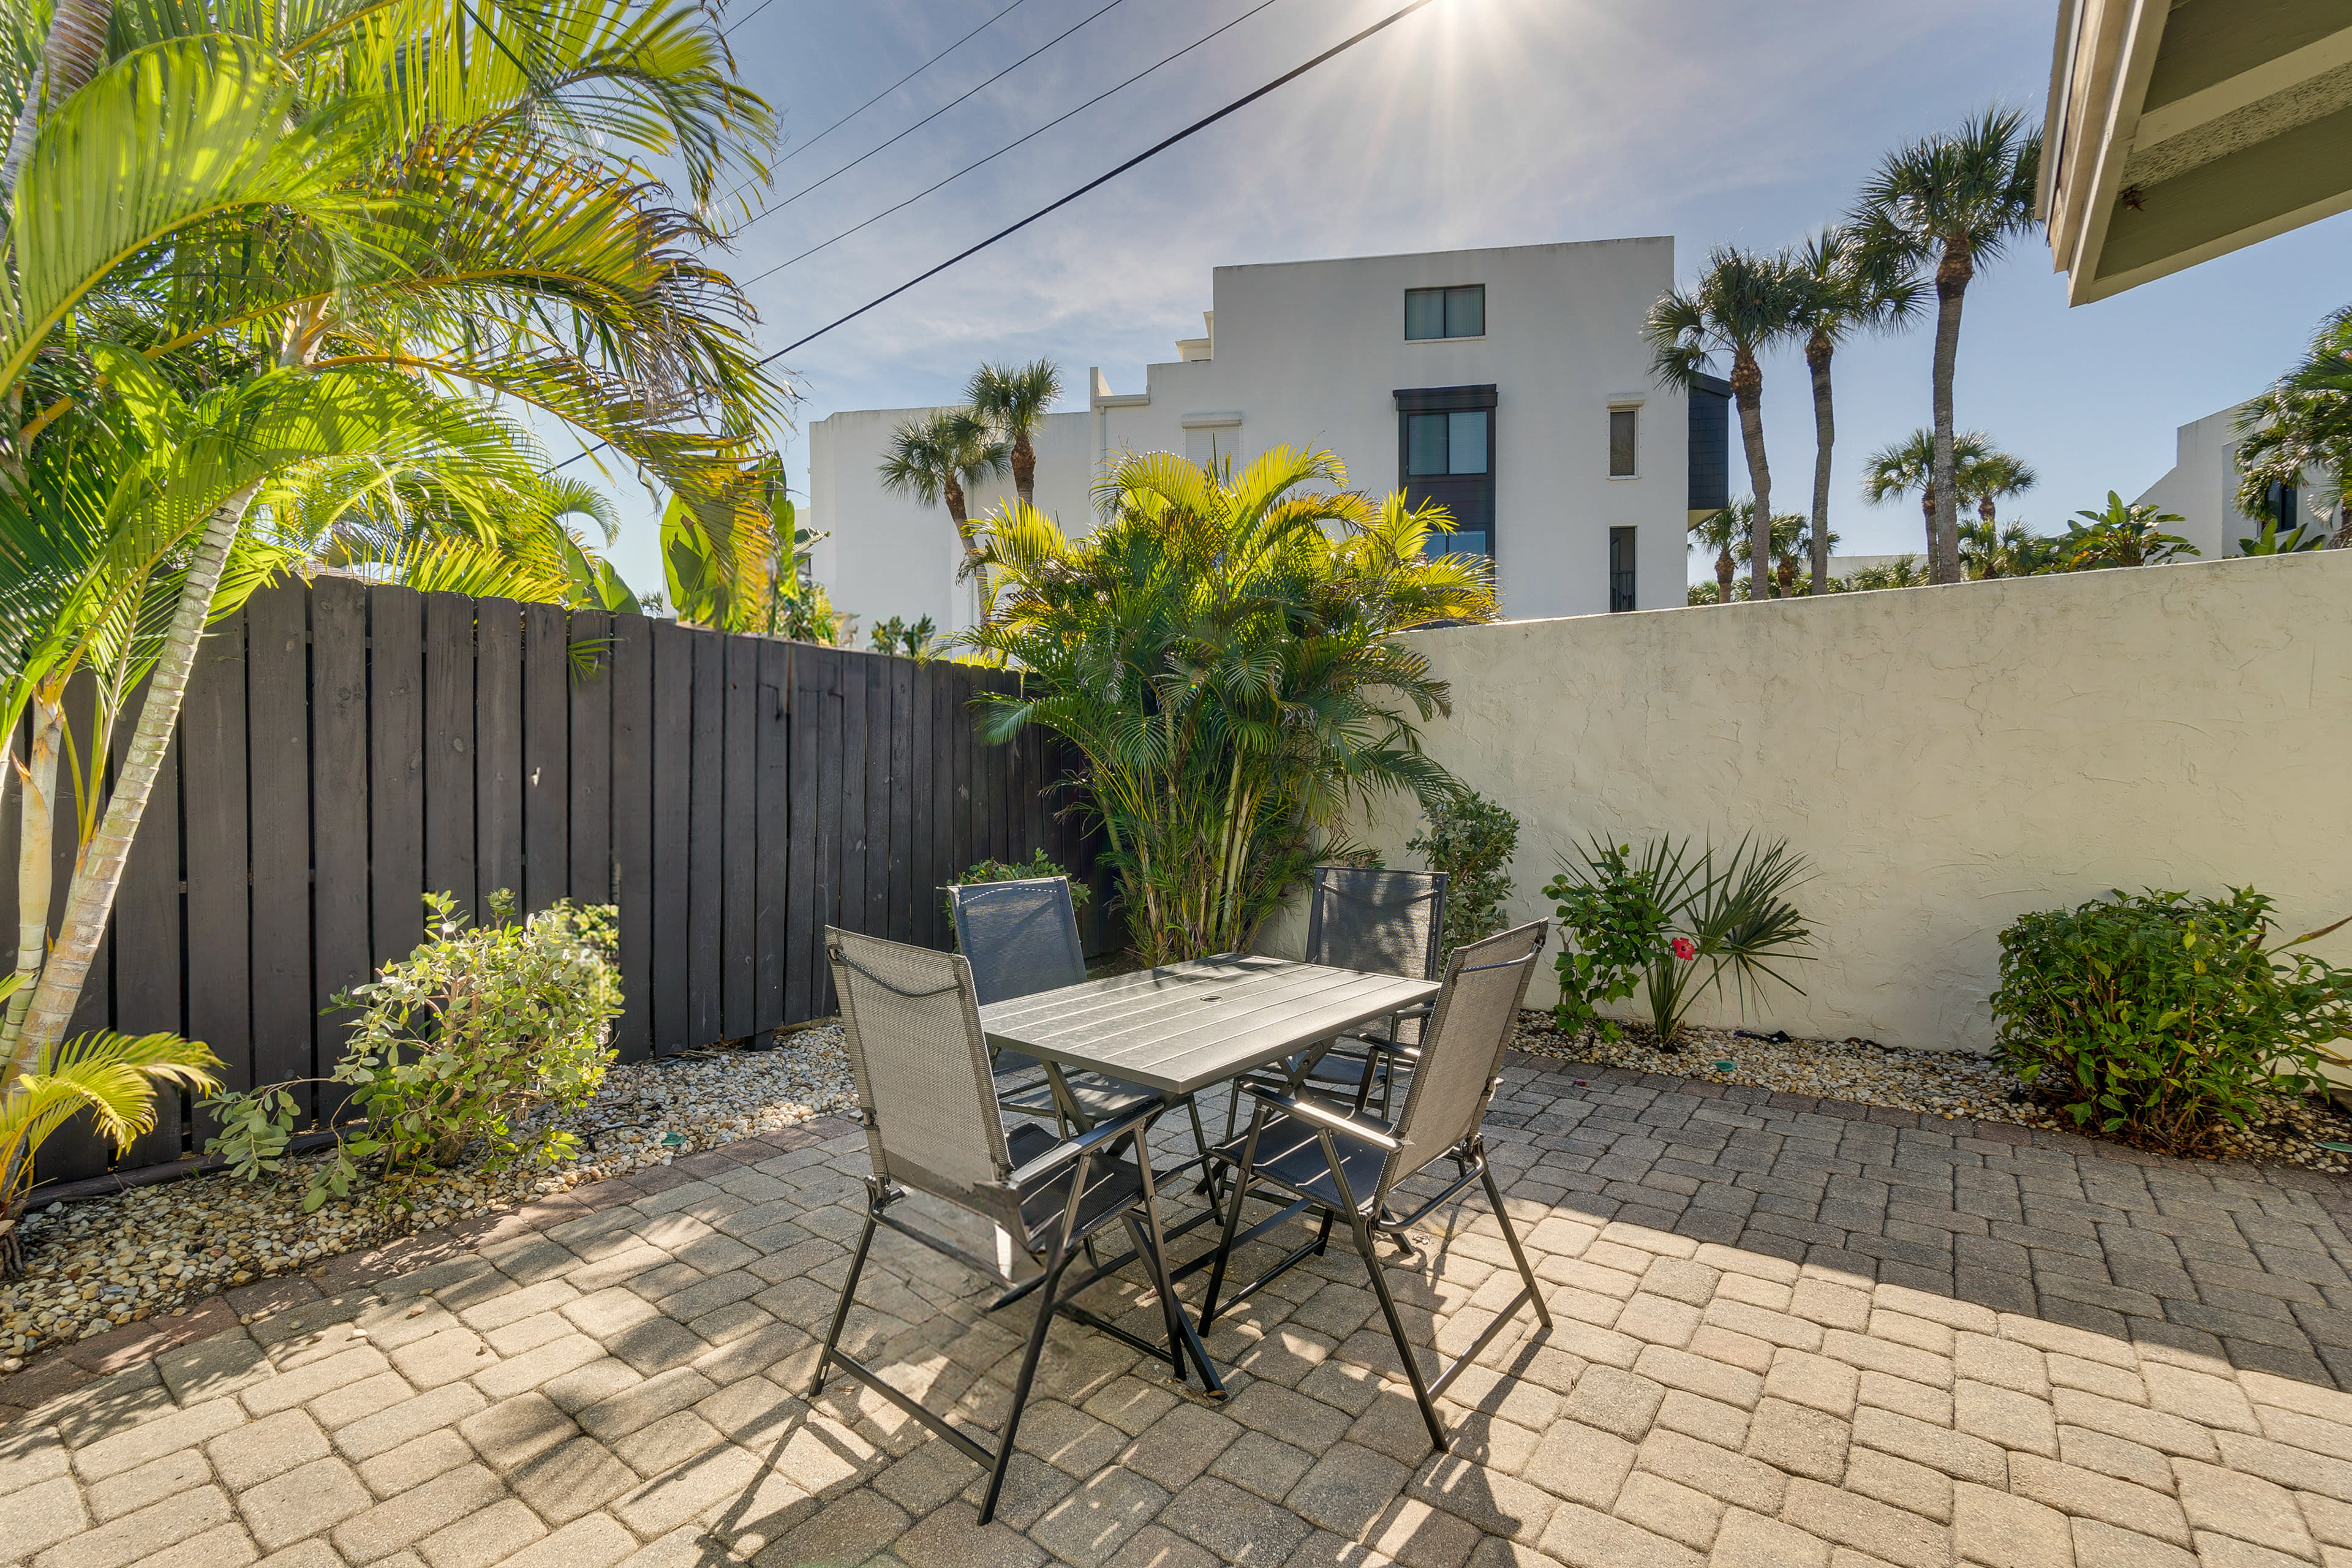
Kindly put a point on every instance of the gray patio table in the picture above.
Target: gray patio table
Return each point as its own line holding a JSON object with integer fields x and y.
{"x": 1189, "y": 1025}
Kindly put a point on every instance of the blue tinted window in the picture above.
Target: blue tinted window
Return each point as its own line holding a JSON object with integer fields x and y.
{"x": 1466, "y": 443}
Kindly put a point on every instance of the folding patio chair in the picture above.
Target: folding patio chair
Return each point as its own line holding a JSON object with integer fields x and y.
{"x": 1379, "y": 922}
{"x": 926, "y": 1094}
{"x": 1021, "y": 938}
{"x": 1348, "y": 1166}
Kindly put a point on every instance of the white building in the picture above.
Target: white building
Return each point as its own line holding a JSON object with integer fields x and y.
{"x": 1512, "y": 384}
{"x": 2202, "y": 488}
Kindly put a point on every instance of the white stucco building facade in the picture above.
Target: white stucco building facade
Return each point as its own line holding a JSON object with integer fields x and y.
{"x": 1512, "y": 384}
{"x": 2202, "y": 488}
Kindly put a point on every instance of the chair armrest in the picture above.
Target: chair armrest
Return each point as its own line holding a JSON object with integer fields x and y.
{"x": 1061, "y": 1154}
{"x": 1307, "y": 1110}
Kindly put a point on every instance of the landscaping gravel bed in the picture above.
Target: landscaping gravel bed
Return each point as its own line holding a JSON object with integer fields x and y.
{"x": 96, "y": 1263}
{"x": 1950, "y": 1084}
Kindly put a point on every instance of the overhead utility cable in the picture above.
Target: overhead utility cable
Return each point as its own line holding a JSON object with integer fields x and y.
{"x": 1342, "y": 46}
{"x": 934, "y": 115}
{"x": 1008, "y": 147}
{"x": 886, "y": 91}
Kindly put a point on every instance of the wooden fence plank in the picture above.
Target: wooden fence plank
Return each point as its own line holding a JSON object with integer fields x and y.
{"x": 672, "y": 758}
{"x": 941, "y": 868}
{"x": 739, "y": 854}
{"x": 76, "y": 1150}
{"x": 849, "y": 900}
{"x": 147, "y": 937}
{"x": 546, "y": 772}
{"x": 449, "y": 865}
{"x": 706, "y": 846}
{"x": 828, "y": 827}
{"x": 805, "y": 913}
{"x": 339, "y": 816}
{"x": 772, "y": 830}
{"x": 498, "y": 750}
{"x": 589, "y": 690}
{"x": 214, "y": 809}
{"x": 969, "y": 836}
{"x": 395, "y": 803}
{"x": 902, "y": 792}
{"x": 878, "y": 738}
{"x": 633, "y": 882}
{"x": 277, "y": 749}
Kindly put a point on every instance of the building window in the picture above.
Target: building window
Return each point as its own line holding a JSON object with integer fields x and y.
{"x": 1445, "y": 443}
{"x": 1620, "y": 569}
{"x": 1445, "y": 312}
{"x": 1445, "y": 450}
{"x": 2279, "y": 502}
{"x": 1621, "y": 443}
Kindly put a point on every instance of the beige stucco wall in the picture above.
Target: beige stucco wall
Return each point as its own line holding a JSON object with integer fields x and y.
{"x": 1948, "y": 757}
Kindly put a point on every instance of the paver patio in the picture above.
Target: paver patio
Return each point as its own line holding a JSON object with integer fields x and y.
{"x": 1787, "y": 1333}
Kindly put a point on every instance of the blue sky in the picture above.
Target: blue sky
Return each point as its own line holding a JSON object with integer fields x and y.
{"x": 1474, "y": 122}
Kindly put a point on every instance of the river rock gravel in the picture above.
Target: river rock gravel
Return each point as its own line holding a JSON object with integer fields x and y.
{"x": 99, "y": 1263}
{"x": 1955, "y": 1085}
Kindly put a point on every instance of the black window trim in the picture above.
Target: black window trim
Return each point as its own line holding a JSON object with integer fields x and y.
{"x": 1450, "y": 400}
{"x": 1447, "y": 337}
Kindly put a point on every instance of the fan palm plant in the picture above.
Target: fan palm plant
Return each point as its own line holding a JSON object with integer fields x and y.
{"x": 1908, "y": 465}
{"x": 1952, "y": 201}
{"x": 2303, "y": 423}
{"x": 1222, "y": 650}
{"x": 1990, "y": 549}
{"x": 1741, "y": 305}
{"x": 1014, "y": 400}
{"x": 1839, "y": 288}
{"x": 1724, "y": 532}
{"x": 253, "y": 240}
{"x": 1991, "y": 478}
{"x": 936, "y": 458}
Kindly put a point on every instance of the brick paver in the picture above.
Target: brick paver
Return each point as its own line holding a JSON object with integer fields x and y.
{"x": 1786, "y": 1331}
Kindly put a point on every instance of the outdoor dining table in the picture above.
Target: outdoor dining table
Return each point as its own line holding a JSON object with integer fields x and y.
{"x": 1191, "y": 1025}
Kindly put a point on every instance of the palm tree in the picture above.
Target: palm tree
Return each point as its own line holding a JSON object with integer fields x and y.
{"x": 1797, "y": 544}
{"x": 1741, "y": 305}
{"x": 335, "y": 233}
{"x": 1014, "y": 400}
{"x": 2303, "y": 422}
{"x": 1723, "y": 531}
{"x": 1909, "y": 465}
{"x": 1990, "y": 549}
{"x": 1952, "y": 201}
{"x": 1991, "y": 478}
{"x": 1223, "y": 652}
{"x": 935, "y": 458}
{"x": 1839, "y": 288}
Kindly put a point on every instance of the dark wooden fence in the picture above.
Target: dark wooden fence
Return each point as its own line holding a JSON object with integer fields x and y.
{"x": 346, "y": 749}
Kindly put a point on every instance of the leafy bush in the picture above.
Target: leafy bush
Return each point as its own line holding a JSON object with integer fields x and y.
{"x": 1472, "y": 840}
{"x": 1038, "y": 864}
{"x": 1673, "y": 925}
{"x": 2162, "y": 1018}
{"x": 453, "y": 1043}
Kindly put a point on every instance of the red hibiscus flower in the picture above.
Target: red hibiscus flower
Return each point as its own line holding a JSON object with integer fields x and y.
{"x": 1684, "y": 948}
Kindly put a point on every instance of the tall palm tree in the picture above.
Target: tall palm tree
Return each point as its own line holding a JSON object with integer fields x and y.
{"x": 1796, "y": 545}
{"x": 328, "y": 230}
{"x": 1909, "y": 465}
{"x": 1840, "y": 288}
{"x": 2302, "y": 421}
{"x": 1742, "y": 304}
{"x": 935, "y": 459}
{"x": 1990, "y": 478}
{"x": 1014, "y": 400}
{"x": 1952, "y": 201}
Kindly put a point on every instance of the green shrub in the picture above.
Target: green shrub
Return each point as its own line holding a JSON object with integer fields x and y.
{"x": 1472, "y": 840}
{"x": 453, "y": 1043}
{"x": 1038, "y": 864}
{"x": 1673, "y": 925}
{"x": 2160, "y": 1019}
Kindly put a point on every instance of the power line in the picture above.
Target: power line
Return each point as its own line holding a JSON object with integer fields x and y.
{"x": 1009, "y": 146}
{"x": 1342, "y": 46}
{"x": 926, "y": 120}
{"x": 886, "y": 91}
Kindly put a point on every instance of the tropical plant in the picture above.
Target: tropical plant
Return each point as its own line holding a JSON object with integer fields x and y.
{"x": 936, "y": 460}
{"x": 2163, "y": 1019}
{"x": 1741, "y": 306}
{"x": 1724, "y": 532}
{"x": 1795, "y": 546}
{"x": 1840, "y": 287}
{"x": 1471, "y": 839}
{"x": 1991, "y": 549}
{"x": 1222, "y": 650}
{"x": 1903, "y": 571}
{"x": 243, "y": 243}
{"x": 1675, "y": 924}
{"x": 2303, "y": 423}
{"x": 1953, "y": 202}
{"x": 1908, "y": 465}
{"x": 1991, "y": 477}
{"x": 1015, "y": 401}
{"x": 2123, "y": 533}
{"x": 917, "y": 639}
{"x": 755, "y": 578}
{"x": 2269, "y": 541}
{"x": 455, "y": 1043}
{"x": 112, "y": 1077}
